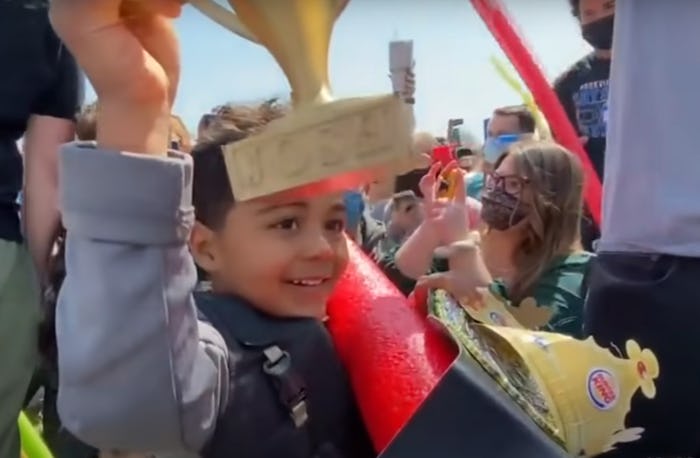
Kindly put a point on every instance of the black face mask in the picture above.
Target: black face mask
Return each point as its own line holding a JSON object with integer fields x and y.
{"x": 500, "y": 210}
{"x": 599, "y": 34}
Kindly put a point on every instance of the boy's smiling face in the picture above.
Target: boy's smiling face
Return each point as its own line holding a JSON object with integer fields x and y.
{"x": 281, "y": 253}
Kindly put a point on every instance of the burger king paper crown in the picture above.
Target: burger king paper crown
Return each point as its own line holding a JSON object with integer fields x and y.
{"x": 574, "y": 389}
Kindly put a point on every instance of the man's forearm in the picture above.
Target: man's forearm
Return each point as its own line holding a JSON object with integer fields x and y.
{"x": 40, "y": 207}
{"x": 40, "y": 216}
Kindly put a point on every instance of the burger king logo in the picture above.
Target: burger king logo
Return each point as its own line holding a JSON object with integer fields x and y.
{"x": 603, "y": 390}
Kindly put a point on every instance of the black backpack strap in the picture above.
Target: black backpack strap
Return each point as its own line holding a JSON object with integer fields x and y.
{"x": 290, "y": 387}
{"x": 292, "y": 393}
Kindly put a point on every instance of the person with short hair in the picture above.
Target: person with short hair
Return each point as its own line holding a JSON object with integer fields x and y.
{"x": 583, "y": 88}
{"x": 62, "y": 443}
{"x": 507, "y": 125}
{"x": 583, "y": 91}
{"x": 40, "y": 93}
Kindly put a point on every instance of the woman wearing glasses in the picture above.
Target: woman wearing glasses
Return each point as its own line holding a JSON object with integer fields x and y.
{"x": 529, "y": 245}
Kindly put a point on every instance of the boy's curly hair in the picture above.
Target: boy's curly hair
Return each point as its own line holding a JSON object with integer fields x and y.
{"x": 244, "y": 119}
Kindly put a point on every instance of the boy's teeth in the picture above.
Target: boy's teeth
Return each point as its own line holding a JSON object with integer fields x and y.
{"x": 307, "y": 282}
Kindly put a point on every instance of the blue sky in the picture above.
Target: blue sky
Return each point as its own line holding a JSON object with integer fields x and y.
{"x": 451, "y": 49}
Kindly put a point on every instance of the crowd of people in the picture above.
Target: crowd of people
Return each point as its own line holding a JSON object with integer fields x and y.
{"x": 134, "y": 313}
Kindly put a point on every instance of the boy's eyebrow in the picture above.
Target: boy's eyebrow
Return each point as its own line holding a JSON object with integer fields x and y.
{"x": 337, "y": 207}
{"x": 274, "y": 207}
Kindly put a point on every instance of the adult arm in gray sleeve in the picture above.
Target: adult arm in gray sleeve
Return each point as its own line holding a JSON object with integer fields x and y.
{"x": 138, "y": 371}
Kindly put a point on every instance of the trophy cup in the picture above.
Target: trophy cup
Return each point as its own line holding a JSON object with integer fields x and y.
{"x": 323, "y": 144}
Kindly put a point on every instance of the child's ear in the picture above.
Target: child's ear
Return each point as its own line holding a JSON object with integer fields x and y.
{"x": 203, "y": 247}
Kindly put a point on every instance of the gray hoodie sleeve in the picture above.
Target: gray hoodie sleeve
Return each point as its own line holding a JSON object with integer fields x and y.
{"x": 138, "y": 371}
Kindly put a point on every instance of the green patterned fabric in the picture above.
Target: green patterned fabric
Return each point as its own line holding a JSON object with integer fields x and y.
{"x": 561, "y": 288}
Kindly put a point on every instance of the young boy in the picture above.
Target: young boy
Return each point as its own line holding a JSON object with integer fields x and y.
{"x": 247, "y": 370}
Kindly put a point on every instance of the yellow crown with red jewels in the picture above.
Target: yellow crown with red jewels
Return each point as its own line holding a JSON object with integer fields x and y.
{"x": 586, "y": 390}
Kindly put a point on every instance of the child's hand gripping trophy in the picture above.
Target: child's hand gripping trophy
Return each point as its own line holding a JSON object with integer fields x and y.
{"x": 129, "y": 52}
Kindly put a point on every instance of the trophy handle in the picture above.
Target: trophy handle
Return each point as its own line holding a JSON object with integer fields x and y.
{"x": 224, "y": 17}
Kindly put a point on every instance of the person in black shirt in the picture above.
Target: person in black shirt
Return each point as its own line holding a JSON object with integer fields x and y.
{"x": 40, "y": 91}
{"x": 583, "y": 88}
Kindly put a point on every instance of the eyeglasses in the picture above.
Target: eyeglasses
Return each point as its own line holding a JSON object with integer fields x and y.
{"x": 512, "y": 184}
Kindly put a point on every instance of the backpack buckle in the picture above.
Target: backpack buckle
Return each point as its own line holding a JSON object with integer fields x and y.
{"x": 290, "y": 387}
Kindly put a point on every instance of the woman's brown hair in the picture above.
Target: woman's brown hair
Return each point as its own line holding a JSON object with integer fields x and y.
{"x": 554, "y": 192}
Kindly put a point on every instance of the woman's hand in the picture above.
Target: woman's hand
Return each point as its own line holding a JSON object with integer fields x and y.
{"x": 129, "y": 52}
{"x": 447, "y": 217}
{"x": 467, "y": 271}
{"x": 409, "y": 92}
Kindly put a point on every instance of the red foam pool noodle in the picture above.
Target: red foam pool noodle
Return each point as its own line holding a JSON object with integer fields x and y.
{"x": 394, "y": 356}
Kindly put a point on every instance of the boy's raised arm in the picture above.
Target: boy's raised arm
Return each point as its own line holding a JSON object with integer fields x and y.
{"x": 138, "y": 372}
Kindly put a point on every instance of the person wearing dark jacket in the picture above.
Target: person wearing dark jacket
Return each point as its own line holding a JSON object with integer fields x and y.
{"x": 40, "y": 92}
{"x": 583, "y": 90}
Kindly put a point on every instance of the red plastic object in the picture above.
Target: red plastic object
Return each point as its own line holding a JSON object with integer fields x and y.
{"x": 493, "y": 13}
{"x": 443, "y": 155}
{"x": 394, "y": 356}
{"x": 418, "y": 299}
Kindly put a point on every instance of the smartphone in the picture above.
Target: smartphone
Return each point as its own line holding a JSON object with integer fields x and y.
{"x": 453, "y": 133}
{"x": 400, "y": 62}
{"x": 443, "y": 154}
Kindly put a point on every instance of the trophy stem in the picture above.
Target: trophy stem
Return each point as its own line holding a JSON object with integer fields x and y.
{"x": 297, "y": 33}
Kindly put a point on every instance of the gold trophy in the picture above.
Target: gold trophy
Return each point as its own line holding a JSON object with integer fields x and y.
{"x": 322, "y": 144}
